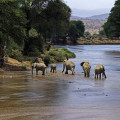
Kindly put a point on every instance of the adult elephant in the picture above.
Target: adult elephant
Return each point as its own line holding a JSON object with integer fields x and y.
{"x": 39, "y": 66}
{"x": 86, "y": 68}
{"x": 99, "y": 70}
{"x": 69, "y": 66}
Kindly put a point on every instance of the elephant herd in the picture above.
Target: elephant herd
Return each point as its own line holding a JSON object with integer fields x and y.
{"x": 69, "y": 65}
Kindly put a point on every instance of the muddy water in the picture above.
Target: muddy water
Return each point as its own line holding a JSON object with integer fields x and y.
{"x": 57, "y": 96}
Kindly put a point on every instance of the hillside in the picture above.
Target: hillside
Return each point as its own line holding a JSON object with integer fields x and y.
{"x": 93, "y": 26}
{"x": 94, "y": 20}
{"x": 99, "y": 17}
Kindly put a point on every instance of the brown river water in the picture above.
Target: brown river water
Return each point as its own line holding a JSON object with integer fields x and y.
{"x": 57, "y": 96}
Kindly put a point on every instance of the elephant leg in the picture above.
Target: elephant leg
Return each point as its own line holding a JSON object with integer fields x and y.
{"x": 36, "y": 72}
{"x": 66, "y": 71}
{"x": 97, "y": 76}
{"x": 55, "y": 70}
{"x": 43, "y": 72}
{"x": 100, "y": 76}
{"x": 104, "y": 74}
{"x": 88, "y": 74}
{"x": 32, "y": 71}
{"x": 84, "y": 74}
{"x": 51, "y": 70}
{"x": 63, "y": 68}
{"x": 72, "y": 71}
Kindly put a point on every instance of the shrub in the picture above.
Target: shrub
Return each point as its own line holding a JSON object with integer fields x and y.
{"x": 24, "y": 67}
{"x": 16, "y": 54}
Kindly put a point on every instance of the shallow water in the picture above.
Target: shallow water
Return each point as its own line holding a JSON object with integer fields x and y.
{"x": 57, "y": 96}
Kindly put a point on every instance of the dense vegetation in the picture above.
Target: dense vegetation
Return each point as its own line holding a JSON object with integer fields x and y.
{"x": 76, "y": 30}
{"x": 112, "y": 26}
{"x": 26, "y": 26}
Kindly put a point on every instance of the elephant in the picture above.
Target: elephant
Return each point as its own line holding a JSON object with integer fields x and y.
{"x": 99, "y": 69}
{"x": 86, "y": 68}
{"x": 53, "y": 68}
{"x": 39, "y": 66}
{"x": 47, "y": 60}
{"x": 69, "y": 66}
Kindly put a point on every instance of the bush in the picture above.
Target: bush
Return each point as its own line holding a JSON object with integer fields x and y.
{"x": 67, "y": 53}
{"x": 60, "y": 54}
{"x": 34, "y": 52}
{"x": 24, "y": 67}
{"x": 16, "y": 54}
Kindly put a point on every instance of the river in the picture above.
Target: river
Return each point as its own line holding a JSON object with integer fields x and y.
{"x": 57, "y": 96}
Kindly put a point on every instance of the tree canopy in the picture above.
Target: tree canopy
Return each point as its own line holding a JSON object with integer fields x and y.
{"x": 76, "y": 30}
{"x": 12, "y": 23}
{"x": 112, "y": 26}
{"x": 27, "y": 25}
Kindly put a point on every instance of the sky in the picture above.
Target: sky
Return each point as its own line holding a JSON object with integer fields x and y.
{"x": 90, "y": 4}
{"x": 87, "y": 8}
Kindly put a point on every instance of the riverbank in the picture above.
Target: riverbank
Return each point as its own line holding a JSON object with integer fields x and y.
{"x": 96, "y": 41}
{"x": 54, "y": 55}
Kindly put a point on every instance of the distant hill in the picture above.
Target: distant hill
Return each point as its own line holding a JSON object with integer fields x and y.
{"x": 89, "y": 13}
{"x": 94, "y": 17}
{"x": 93, "y": 24}
{"x": 99, "y": 17}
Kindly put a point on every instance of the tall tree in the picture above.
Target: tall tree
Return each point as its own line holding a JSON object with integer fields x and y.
{"x": 57, "y": 15}
{"x": 112, "y": 26}
{"x": 12, "y": 23}
{"x": 76, "y": 30}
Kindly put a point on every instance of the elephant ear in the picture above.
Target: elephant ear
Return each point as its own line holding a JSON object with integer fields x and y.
{"x": 82, "y": 63}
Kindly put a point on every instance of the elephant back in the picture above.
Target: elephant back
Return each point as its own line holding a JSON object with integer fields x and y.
{"x": 99, "y": 68}
{"x": 40, "y": 65}
{"x": 69, "y": 64}
{"x": 86, "y": 65}
{"x": 53, "y": 65}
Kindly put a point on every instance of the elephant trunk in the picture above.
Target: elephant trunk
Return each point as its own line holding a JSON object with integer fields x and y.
{"x": 63, "y": 68}
{"x": 32, "y": 69}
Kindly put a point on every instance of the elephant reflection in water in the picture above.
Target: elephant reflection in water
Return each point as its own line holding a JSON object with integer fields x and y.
{"x": 99, "y": 70}
{"x": 69, "y": 65}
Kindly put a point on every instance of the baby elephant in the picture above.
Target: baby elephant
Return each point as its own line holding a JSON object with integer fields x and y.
{"x": 99, "y": 69}
{"x": 86, "y": 68}
{"x": 53, "y": 68}
{"x": 39, "y": 66}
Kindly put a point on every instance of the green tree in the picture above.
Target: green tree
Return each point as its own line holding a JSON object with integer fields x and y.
{"x": 57, "y": 15}
{"x": 12, "y": 24}
{"x": 112, "y": 26}
{"x": 76, "y": 30}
